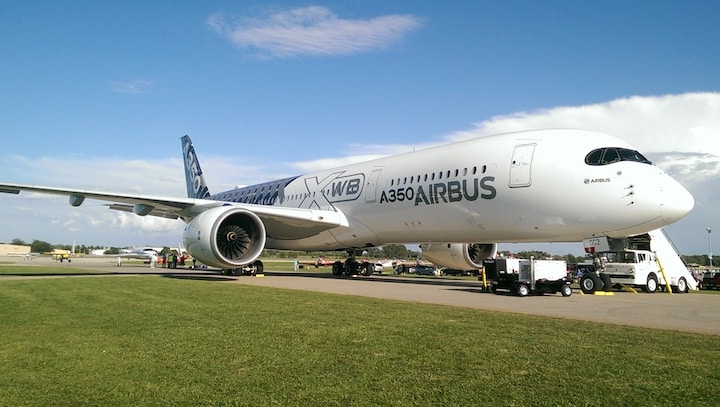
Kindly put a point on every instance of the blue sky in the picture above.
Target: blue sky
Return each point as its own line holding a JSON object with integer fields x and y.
{"x": 97, "y": 94}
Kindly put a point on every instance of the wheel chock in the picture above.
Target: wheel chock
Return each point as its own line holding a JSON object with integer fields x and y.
{"x": 604, "y": 293}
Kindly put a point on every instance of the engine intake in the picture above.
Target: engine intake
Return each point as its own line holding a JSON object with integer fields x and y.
{"x": 459, "y": 256}
{"x": 225, "y": 237}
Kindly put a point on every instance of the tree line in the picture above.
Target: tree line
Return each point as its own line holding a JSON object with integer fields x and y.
{"x": 391, "y": 251}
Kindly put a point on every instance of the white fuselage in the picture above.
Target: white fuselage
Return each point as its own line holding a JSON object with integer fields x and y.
{"x": 518, "y": 187}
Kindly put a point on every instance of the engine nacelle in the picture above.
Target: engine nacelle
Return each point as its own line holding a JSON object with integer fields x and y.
{"x": 225, "y": 237}
{"x": 459, "y": 256}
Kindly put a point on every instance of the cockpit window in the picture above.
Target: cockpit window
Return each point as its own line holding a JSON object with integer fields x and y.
{"x": 609, "y": 155}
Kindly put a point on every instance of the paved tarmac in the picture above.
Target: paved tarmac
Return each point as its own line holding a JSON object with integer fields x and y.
{"x": 693, "y": 312}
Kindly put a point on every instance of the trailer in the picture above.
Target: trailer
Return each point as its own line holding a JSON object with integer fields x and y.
{"x": 528, "y": 276}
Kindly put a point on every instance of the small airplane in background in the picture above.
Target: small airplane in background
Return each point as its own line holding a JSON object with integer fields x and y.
{"x": 139, "y": 252}
{"x": 62, "y": 254}
{"x": 457, "y": 200}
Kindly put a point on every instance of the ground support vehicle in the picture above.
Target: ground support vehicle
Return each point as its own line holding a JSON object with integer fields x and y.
{"x": 524, "y": 277}
{"x": 711, "y": 280}
{"x": 630, "y": 263}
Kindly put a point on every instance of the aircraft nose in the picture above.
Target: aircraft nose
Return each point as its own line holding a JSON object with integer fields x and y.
{"x": 677, "y": 201}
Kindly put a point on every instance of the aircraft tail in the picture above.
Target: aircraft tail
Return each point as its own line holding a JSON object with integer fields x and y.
{"x": 196, "y": 186}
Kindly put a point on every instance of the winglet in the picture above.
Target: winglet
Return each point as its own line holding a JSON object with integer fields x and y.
{"x": 196, "y": 186}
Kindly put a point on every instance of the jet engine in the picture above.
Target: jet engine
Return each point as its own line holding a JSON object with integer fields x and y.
{"x": 459, "y": 256}
{"x": 225, "y": 237}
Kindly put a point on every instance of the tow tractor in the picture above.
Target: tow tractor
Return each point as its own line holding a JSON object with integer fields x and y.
{"x": 524, "y": 277}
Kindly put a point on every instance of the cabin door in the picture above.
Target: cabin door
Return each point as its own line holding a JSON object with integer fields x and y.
{"x": 371, "y": 187}
{"x": 521, "y": 166}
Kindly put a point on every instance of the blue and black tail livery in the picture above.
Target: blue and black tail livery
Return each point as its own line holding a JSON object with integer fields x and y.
{"x": 196, "y": 186}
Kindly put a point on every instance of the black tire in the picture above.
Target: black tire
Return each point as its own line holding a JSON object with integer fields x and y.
{"x": 652, "y": 284}
{"x": 590, "y": 283}
{"x": 337, "y": 268}
{"x": 368, "y": 269}
{"x": 566, "y": 290}
{"x": 350, "y": 268}
{"x": 523, "y": 290}
{"x": 258, "y": 268}
{"x": 606, "y": 281}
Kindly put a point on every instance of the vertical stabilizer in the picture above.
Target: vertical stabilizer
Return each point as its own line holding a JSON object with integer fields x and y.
{"x": 196, "y": 186}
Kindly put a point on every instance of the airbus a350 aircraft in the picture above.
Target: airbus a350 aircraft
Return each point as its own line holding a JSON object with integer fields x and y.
{"x": 457, "y": 200}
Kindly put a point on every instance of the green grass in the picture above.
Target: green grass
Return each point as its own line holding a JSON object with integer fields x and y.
{"x": 149, "y": 340}
{"x": 12, "y": 269}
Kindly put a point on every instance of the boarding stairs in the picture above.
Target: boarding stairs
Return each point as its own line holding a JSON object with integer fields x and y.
{"x": 657, "y": 241}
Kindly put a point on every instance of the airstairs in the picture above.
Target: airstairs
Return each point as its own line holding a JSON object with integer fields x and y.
{"x": 657, "y": 241}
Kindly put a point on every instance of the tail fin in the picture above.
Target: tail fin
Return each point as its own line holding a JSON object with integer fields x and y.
{"x": 196, "y": 186}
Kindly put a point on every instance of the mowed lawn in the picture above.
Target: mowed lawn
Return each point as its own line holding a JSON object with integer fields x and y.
{"x": 150, "y": 340}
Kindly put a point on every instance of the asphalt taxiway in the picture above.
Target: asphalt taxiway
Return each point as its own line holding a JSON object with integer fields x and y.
{"x": 692, "y": 312}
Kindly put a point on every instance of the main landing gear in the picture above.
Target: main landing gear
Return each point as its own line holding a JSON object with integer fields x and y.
{"x": 252, "y": 269}
{"x": 352, "y": 267}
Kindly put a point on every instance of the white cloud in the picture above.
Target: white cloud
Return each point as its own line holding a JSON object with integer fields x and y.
{"x": 312, "y": 31}
{"x": 687, "y": 123}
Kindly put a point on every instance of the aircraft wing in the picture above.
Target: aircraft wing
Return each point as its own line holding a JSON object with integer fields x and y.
{"x": 280, "y": 222}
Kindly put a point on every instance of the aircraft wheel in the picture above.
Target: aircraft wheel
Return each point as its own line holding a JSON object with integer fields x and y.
{"x": 350, "y": 268}
{"x": 589, "y": 283}
{"x": 337, "y": 268}
{"x": 523, "y": 290}
{"x": 652, "y": 284}
{"x": 258, "y": 268}
{"x": 368, "y": 269}
{"x": 566, "y": 290}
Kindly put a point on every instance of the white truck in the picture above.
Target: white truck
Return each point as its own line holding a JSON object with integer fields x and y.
{"x": 629, "y": 262}
{"x": 523, "y": 276}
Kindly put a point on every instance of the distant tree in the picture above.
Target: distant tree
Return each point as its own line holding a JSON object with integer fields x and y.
{"x": 538, "y": 255}
{"x": 18, "y": 242}
{"x": 392, "y": 251}
{"x": 38, "y": 246}
{"x": 112, "y": 250}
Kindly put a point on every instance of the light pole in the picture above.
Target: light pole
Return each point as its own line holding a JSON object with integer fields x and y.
{"x": 709, "y": 246}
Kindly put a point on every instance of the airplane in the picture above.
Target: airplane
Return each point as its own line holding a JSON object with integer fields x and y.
{"x": 145, "y": 253}
{"x": 456, "y": 200}
{"x": 60, "y": 254}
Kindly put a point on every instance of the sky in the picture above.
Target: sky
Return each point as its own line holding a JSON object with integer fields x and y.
{"x": 96, "y": 95}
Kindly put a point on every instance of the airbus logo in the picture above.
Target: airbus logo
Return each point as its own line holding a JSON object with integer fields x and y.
{"x": 443, "y": 192}
{"x": 596, "y": 180}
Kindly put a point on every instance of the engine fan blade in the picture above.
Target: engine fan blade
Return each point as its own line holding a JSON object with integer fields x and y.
{"x": 232, "y": 241}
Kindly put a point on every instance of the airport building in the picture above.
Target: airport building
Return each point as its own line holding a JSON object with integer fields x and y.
{"x": 13, "y": 250}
